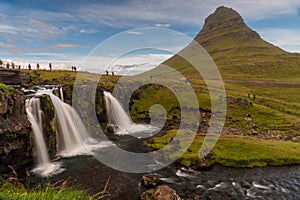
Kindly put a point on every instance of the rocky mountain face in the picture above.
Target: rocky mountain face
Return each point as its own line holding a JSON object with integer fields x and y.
{"x": 15, "y": 132}
{"x": 238, "y": 51}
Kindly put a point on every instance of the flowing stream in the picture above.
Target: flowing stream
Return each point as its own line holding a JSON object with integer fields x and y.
{"x": 216, "y": 183}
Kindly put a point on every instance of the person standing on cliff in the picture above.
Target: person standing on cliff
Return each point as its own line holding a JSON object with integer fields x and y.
{"x": 38, "y": 66}
{"x": 29, "y": 67}
{"x": 50, "y": 66}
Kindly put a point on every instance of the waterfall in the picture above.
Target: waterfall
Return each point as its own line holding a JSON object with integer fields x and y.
{"x": 61, "y": 93}
{"x": 71, "y": 136}
{"x": 34, "y": 113}
{"x": 122, "y": 123}
{"x": 116, "y": 115}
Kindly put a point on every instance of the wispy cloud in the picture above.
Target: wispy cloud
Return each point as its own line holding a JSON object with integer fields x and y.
{"x": 9, "y": 47}
{"x": 88, "y": 31}
{"x": 68, "y": 45}
{"x": 26, "y": 26}
{"x": 134, "y": 32}
{"x": 288, "y": 39}
{"x": 9, "y": 29}
{"x": 162, "y": 25}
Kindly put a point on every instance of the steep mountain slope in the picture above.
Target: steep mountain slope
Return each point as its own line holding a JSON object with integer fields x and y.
{"x": 239, "y": 52}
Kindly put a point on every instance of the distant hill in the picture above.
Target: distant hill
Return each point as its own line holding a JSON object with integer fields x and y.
{"x": 239, "y": 52}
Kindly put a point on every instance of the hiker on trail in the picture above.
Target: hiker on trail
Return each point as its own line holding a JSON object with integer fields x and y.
{"x": 72, "y": 68}
{"x": 187, "y": 81}
{"x": 50, "y": 66}
{"x": 7, "y": 65}
{"x": 29, "y": 67}
{"x": 254, "y": 96}
{"x": 13, "y": 65}
{"x": 112, "y": 73}
{"x": 38, "y": 66}
{"x": 106, "y": 73}
{"x": 75, "y": 69}
{"x": 19, "y": 67}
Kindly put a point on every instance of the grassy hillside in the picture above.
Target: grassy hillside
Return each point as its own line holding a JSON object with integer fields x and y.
{"x": 239, "y": 52}
{"x": 275, "y": 117}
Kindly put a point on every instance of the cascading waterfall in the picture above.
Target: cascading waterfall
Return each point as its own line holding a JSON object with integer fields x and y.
{"x": 71, "y": 136}
{"x": 122, "y": 123}
{"x": 44, "y": 166}
{"x": 34, "y": 114}
{"x": 61, "y": 93}
{"x": 116, "y": 115}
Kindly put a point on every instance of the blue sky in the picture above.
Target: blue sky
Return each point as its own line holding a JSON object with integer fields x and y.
{"x": 65, "y": 32}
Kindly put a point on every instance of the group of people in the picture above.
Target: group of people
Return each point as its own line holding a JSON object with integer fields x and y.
{"x": 29, "y": 67}
{"x": 38, "y": 66}
{"x": 74, "y": 69}
{"x": 112, "y": 73}
{"x": 13, "y": 66}
{"x": 254, "y": 96}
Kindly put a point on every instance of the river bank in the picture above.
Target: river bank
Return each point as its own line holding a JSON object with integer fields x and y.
{"x": 231, "y": 150}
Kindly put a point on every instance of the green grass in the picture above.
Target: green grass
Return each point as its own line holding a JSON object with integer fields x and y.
{"x": 7, "y": 89}
{"x": 275, "y": 109}
{"x": 241, "y": 151}
{"x": 235, "y": 151}
{"x": 9, "y": 191}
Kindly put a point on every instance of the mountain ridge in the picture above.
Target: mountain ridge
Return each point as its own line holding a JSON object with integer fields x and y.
{"x": 239, "y": 52}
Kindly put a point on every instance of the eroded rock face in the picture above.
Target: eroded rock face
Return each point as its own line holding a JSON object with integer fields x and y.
{"x": 15, "y": 132}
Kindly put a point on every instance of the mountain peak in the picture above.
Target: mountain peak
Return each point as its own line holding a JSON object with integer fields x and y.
{"x": 223, "y": 17}
{"x": 239, "y": 51}
{"x": 226, "y": 20}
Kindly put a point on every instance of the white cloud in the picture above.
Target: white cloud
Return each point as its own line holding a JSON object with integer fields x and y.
{"x": 134, "y": 32}
{"x": 88, "y": 31}
{"x": 288, "y": 39}
{"x": 129, "y": 65}
{"x": 69, "y": 45}
{"x": 162, "y": 25}
{"x": 190, "y": 12}
{"x": 8, "y": 29}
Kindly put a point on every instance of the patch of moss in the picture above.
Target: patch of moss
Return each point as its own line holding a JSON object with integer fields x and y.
{"x": 8, "y": 89}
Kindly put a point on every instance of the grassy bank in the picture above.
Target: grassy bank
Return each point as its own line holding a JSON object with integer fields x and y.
{"x": 275, "y": 114}
{"x": 234, "y": 151}
{"x": 9, "y": 191}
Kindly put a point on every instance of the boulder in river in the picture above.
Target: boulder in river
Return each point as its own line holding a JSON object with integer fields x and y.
{"x": 162, "y": 192}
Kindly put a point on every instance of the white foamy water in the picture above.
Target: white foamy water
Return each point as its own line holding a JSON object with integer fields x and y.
{"x": 44, "y": 166}
{"x": 72, "y": 138}
{"x": 117, "y": 117}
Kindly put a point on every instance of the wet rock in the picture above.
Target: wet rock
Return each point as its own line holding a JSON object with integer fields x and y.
{"x": 162, "y": 192}
{"x": 150, "y": 180}
{"x": 111, "y": 128}
{"x": 15, "y": 130}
